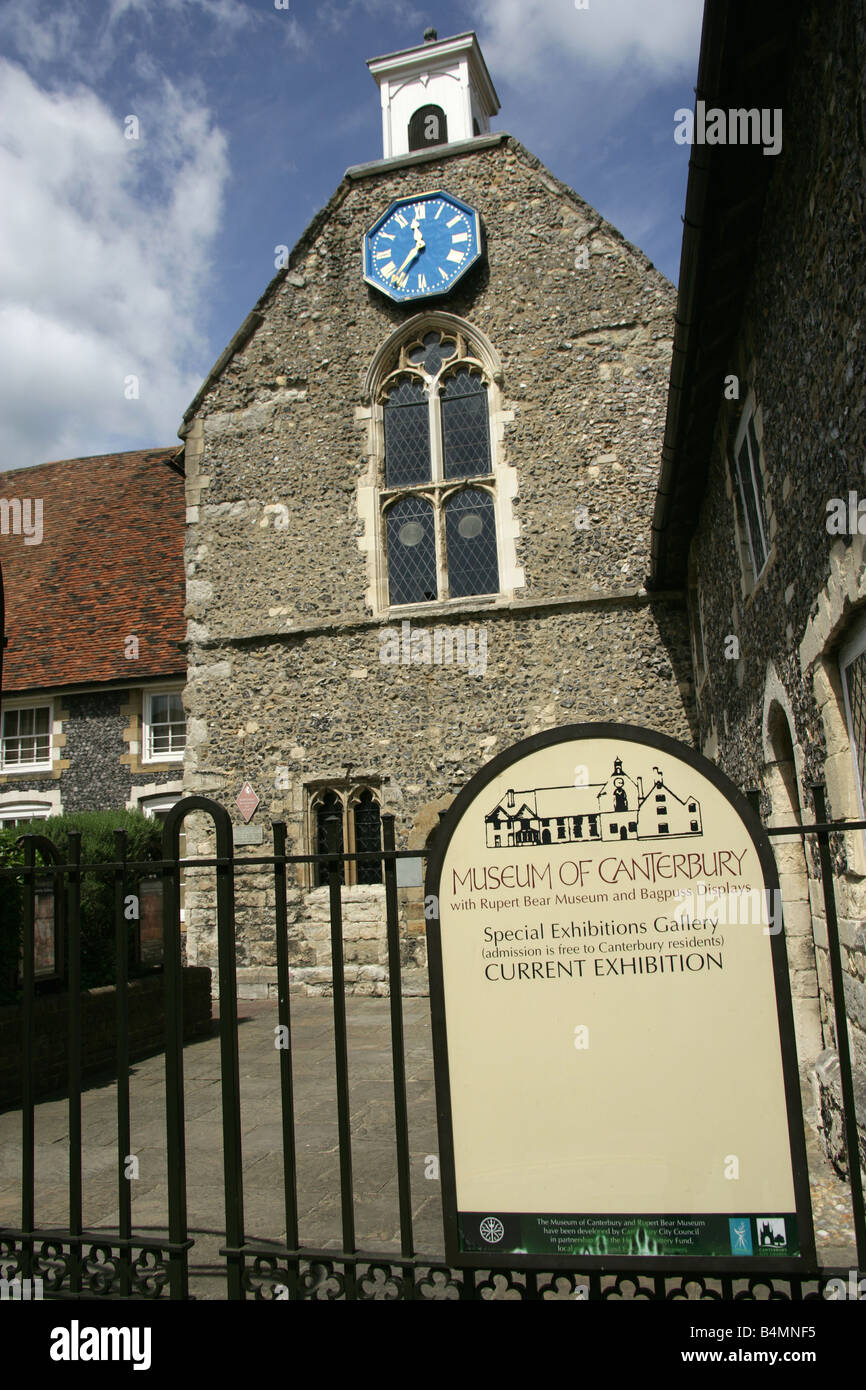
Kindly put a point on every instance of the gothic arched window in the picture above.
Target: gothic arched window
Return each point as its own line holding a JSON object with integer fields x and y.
{"x": 470, "y": 536}
{"x": 439, "y": 533}
{"x": 329, "y": 807}
{"x": 359, "y": 831}
{"x": 407, "y": 433}
{"x": 367, "y": 822}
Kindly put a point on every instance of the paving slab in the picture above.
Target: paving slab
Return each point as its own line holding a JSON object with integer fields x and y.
{"x": 318, "y": 1172}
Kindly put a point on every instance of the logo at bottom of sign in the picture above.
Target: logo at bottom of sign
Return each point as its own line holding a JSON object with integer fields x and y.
{"x": 688, "y": 1233}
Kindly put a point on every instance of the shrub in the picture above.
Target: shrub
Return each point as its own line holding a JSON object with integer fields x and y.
{"x": 143, "y": 842}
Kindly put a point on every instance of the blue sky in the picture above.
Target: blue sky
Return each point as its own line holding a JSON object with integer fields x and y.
{"x": 139, "y": 258}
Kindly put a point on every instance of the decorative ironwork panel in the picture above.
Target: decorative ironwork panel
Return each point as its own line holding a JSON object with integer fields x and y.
{"x": 465, "y": 425}
{"x": 407, "y": 434}
{"x": 470, "y": 530}
{"x": 411, "y": 552}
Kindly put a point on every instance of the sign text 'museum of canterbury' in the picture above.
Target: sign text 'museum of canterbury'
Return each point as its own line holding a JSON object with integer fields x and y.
{"x": 650, "y": 867}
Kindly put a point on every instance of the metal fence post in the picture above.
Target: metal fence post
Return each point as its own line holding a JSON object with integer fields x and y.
{"x": 852, "y": 1139}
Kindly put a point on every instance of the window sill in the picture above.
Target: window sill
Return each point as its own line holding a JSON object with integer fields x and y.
{"x": 26, "y": 770}
{"x": 761, "y": 581}
{"x": 470, "y": 604}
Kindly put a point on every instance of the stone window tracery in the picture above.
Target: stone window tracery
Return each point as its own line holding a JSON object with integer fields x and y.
{"x": 358, "y": 815}
{"x": 440, "y": 532}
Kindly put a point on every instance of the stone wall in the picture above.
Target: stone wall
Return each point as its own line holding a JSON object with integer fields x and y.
{"x": 802, "y": 349}
{"x": 286, "y": 685}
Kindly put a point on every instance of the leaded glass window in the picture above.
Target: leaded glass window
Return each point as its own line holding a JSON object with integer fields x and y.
{"x": 852, "y": 664}
{"x": 855, "y": 676}
{"x": 465, "y": 425}
{"x": 358, "y": 824}
{"x": 470, "y": 530}
{"x": 412, "y": 551}
{"x": 751, "y": 489}
{"x": 436, "y": 414}
{"x": 368, "y": 837}
{"x": 407, "y": 434}
{"x": 328, "y": 807}
{"x": 432, "y": 353}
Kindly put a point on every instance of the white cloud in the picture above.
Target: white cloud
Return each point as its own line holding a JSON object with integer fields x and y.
{"x": 105, "y": 246}
{"x": 89, "y": 38}
{"x": 521, "y": 37}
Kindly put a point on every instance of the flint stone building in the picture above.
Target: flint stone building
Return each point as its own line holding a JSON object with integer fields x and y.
{"x": 481, "y": 463}
{"x": 765, "y": 429}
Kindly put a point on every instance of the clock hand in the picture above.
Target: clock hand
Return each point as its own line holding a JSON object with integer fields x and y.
{"x": 416, "y": 250}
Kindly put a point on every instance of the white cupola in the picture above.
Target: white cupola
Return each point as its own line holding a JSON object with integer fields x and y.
{"x": 435, "y": 94}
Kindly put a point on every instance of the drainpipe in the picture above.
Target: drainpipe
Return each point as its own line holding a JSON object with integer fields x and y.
{"x": 694, "y": 220}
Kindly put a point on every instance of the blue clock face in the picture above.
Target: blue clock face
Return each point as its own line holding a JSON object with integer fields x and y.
{"x": 422, "y": 246}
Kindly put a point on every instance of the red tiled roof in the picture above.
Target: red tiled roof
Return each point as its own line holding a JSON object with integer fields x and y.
{"x": 109, "y": 566}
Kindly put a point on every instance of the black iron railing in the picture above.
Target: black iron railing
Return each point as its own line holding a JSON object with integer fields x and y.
{"x": 77, "y": 1263}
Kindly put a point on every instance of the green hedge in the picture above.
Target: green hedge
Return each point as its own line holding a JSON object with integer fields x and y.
{"x": 144, "y": 842}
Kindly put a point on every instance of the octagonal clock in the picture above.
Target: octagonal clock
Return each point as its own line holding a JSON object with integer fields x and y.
{"x": 422, "y": 246}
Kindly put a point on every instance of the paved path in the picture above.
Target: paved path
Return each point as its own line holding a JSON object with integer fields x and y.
{"x": 376, "y": 1208}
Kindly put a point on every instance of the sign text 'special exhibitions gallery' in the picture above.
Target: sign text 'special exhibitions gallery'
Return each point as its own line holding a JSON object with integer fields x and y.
{"x": 616, "y": 1071}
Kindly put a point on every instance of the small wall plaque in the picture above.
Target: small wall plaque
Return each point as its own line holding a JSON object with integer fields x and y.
{"x": 248, "y": 834}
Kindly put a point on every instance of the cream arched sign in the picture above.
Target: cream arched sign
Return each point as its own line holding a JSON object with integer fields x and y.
{"x": 616, "y": 1071}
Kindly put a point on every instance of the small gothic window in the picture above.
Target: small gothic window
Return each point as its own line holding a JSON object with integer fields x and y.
{"x": 358, "y": 823}
{"x": 470, "y": 539}
{"x": 329, "y": 806}
{"x": 428, "y": 126}
{"x": 368, "y": 837}
{"x": 407, "y": 434}
{"x": 751, "y": 488}
{"x": 465, "y": 425}
{"x": 411, "y": 551}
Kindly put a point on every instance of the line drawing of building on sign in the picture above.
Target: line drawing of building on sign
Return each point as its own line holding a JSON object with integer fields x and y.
{"x": 617, "y": 809}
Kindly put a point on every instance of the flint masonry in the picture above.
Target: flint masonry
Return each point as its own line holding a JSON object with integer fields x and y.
{"x": 447, "y": 409}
